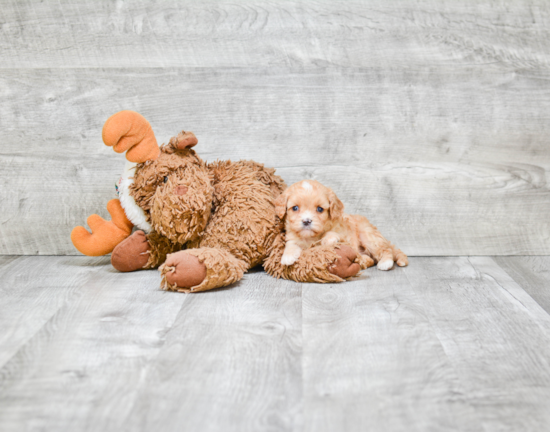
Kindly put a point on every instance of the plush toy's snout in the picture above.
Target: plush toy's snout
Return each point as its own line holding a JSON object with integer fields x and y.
{"x": 181, "y": 207}
{"x": 181, "y": 190}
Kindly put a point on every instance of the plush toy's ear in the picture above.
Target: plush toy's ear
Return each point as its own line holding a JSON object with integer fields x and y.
{"x": 131, "y": 132}
{"x": 280, "y": 204}
{"x": 184, "y": 140}
{"x": 336, "y": 207}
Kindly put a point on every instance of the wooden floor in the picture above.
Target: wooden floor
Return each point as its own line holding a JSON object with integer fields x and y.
{"x": 452, "y": 343}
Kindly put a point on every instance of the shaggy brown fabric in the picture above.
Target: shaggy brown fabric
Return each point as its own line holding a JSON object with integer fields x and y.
{"x": 226, "y": 211}
{"x": 319, "y": 264}
{"x": 228, "y": 214}
{"x": 210, "y": 222}
{"x": 267, "y": 176}
{"x": 179, "y": 217}
{"x": 243, "y": 217}
{"x": 222, "y": 269}
{"x": 160, "y": 248}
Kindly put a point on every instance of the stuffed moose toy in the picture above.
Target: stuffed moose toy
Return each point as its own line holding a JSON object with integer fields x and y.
{"x": 203, "y": 225}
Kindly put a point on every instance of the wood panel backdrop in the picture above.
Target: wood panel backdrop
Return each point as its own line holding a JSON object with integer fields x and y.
{"x": 430, "y": 117}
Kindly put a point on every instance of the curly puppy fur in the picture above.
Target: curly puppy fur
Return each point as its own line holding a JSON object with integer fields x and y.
{"x": 313, "y": 213}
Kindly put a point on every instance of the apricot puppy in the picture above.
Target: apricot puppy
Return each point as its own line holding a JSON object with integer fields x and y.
{"x": 312, "y": 213}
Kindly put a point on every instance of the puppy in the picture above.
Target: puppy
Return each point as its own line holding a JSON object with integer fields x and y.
{"x": 313, "y": 213}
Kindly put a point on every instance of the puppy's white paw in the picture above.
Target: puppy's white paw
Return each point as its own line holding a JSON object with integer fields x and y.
{"x": 385, "y": 265}
{"x": 329, "y": 241}
{"x": 289, "y": 259}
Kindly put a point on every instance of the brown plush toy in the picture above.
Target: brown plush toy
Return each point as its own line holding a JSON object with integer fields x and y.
{"x": 204, "y": 224}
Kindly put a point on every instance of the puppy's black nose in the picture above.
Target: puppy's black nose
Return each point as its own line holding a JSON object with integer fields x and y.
{"x": 306, "y": 222}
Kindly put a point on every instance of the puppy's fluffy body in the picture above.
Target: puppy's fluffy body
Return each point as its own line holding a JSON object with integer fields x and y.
{"x": 313, "y": 213}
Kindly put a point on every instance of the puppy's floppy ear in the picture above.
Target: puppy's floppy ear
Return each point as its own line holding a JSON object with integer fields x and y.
{"x": 280, "y": 204}
{"x": 336, "y": 207}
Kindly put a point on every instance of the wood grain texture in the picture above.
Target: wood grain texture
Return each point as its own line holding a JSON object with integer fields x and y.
{"x": 82, "y": 366}
{"x": 475, "y": 185}
{"x": 373, "y": 362}
{"x": 229, "y": 33}
{"x": 496, "y": 337}
{"x": 444, "y": 344}
{"x": 231, "y": 362}
{"x": 532, "y": 274}
{"x": 31, "y": 288}
{"x": 429, "y": 118}
{"x": 121, "y": 353}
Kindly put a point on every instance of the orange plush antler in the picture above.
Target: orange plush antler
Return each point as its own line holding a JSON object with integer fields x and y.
{"x": 128, "y": 130}
{"x": 105, "y": 234}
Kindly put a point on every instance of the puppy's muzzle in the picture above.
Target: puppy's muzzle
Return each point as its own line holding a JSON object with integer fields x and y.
{"x": 306, "y": 222}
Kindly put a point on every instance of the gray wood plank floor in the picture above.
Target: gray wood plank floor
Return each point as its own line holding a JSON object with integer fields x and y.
{"x": 448, "y": 343}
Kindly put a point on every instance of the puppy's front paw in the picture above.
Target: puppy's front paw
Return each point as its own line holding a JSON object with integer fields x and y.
{"x": 329, "y": 241}
{"x": 385, "y": 265}
{"x": 365, "y": 261}
{"x": 331, "y": 238}
{"x": 289, "y": 258}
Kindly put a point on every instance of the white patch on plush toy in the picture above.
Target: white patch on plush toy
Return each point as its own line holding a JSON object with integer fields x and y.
{"x": 132, "y": 210}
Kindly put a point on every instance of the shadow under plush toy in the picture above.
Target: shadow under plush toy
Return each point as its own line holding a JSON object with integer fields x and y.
{"x": 204, "y": 224}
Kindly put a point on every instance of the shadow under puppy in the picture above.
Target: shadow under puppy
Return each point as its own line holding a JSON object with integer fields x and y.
{"x": 313, "y": 213}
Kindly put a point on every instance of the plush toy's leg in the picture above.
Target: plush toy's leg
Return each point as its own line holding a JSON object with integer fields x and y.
{"x": 317, "y": 264}
{"x": 201, "y": 269}
{"x": 161, "y": 247}
{"x": 131, "y": 254}
{"x": 140, "y": 251}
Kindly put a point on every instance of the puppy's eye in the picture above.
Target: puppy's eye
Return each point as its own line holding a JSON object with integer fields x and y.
{"x": 295, "y": 208}
{"x": 320, "y": 209}
{"x": 165, "y": 179}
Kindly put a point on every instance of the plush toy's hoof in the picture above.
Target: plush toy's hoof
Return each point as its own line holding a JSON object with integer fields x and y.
{"x": 132, "y": 254}
{"x": 183, "y": 270}
{"x": 345, "y": 266}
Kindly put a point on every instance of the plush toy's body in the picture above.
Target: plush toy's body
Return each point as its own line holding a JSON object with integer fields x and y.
{"x": 204, "y": 224}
